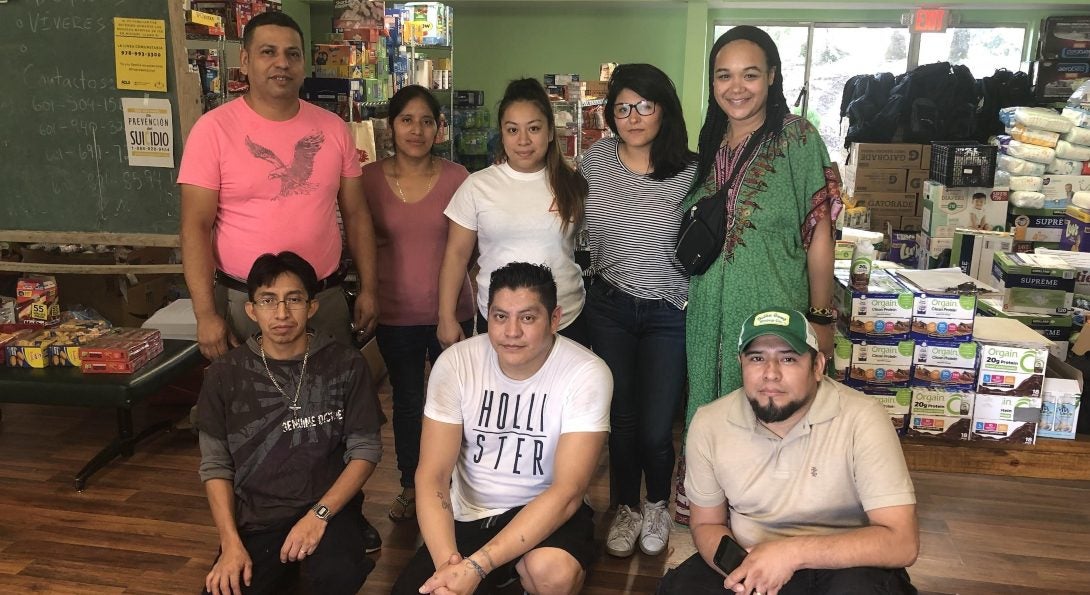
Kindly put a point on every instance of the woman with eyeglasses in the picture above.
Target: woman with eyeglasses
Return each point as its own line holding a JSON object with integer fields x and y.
{"x": 407, "y": 194}
{"x": 636, "y": 302}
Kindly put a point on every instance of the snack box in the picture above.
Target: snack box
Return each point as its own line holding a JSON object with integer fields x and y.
{"x": 30, "y": 350}
{"x": 946, "y": 365}
{"x": 70, "y": 336}
{"x": 1005, "y": 419}
{"x": 1012, "y": 358}
{"x": 114, "y": 367}
{"x": 884, "y": 310}
{"x": 123, "y": 345}
{"x": 896, "y": 401}
{"x": 1054, "y": 327}
{"x": 36, "y": 300}
{"x": 946, "y": 209}
{"x": 1034, "y": 283}
{"x": 6, "y": 338}
{"x": 940, "y": 414}
{"x": 943, "y": 303}
{"x": 880, "y": 362}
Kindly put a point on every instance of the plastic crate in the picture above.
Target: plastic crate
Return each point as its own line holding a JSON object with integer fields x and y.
{"x": 963, "y": 164}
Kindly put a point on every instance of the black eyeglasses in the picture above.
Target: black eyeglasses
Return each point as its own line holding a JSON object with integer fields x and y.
{"x": 292, "y": 302}
{"x": 643, "y": 108}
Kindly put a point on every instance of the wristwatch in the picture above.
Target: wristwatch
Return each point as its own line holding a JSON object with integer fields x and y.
{"x": 321, "y": 511}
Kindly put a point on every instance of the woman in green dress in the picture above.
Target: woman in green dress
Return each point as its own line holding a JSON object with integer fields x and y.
{"x": 780, "y": 209}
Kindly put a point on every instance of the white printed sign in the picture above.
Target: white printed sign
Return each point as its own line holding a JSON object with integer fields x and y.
{"x": 149, "y": 131}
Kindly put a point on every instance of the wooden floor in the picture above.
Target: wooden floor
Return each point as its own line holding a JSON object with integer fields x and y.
{"x": 142, "y": 525}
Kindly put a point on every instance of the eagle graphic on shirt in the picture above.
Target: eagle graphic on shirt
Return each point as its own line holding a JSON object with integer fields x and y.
{"x": 294, "y": 177}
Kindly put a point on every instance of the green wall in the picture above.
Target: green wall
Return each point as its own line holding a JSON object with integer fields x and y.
{"x": 494, "y": 44}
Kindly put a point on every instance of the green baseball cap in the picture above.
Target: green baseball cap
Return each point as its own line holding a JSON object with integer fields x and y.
{"x": 789, "y": 325}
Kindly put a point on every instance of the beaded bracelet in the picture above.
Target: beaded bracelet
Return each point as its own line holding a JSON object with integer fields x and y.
{"x": 821, "y": 315}
{"x": 480, "y": 571}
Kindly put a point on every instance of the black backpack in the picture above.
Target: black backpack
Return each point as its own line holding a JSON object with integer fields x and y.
{"x": 864, "y": 97}
{"x": 1002, "y": 89}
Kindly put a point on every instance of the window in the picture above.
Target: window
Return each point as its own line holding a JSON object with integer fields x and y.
{"x": 840, "y": 51}
{"x": 983, "y": 49}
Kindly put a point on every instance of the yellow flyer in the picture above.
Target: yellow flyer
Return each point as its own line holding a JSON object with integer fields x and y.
{"x": 140, "y": 54}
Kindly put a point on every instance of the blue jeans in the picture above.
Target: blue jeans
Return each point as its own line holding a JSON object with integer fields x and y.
{"x": 405, "y": 349}
{"x": 643, "y": 342}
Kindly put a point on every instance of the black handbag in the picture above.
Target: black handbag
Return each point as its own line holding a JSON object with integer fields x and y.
{"x": 704, "y": 225}
{"x": 703, "y": 231}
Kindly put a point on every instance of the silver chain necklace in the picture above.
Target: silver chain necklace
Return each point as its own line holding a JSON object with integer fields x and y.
{"x": 293, "y": 404}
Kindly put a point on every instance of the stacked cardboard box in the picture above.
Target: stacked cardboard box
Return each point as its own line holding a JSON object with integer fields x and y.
{"x": 886, "y": 179}
{"x": 1033, "y": 283}
{"x": 945, "y": 209}
{"x": 1010, "y": 381}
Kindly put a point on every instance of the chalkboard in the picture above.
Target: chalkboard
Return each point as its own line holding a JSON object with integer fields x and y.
{"x": 63, "y": 158}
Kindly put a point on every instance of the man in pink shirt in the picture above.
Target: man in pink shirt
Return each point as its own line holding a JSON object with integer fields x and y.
{"x": 266, "y": 173}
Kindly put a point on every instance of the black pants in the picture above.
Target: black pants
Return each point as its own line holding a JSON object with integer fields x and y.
{"x": 695, "y": 577}
{"x": 338, "y": 565}
{"x": 406, "y": 349}
{"x": 576, "y": 537}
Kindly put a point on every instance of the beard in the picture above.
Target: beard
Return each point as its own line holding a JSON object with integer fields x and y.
{"x": 773, "y": 413}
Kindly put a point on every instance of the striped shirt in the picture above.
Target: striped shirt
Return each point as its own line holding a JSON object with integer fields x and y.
{"x": 633, "y": 223}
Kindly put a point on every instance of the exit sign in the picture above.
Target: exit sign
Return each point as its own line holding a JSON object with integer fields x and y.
{"x": 930, "y": 20}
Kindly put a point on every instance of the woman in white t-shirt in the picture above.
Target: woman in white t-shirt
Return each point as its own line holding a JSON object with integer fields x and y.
{"x": 527, "y": 208}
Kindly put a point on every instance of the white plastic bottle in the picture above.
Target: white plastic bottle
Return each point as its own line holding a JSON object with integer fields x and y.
{"x": 862, "y": 261}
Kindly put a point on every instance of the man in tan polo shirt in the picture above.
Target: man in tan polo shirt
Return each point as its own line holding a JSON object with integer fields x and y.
{"x": 805, "y": 474}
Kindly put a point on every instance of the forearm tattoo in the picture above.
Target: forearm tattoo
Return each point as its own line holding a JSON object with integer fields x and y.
{"x": 443, "y": 501}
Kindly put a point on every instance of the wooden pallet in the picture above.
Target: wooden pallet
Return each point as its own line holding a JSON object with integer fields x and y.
{"x": 1048, "y": 459}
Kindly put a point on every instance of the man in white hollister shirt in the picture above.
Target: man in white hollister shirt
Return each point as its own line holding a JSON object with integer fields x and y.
{"x": 805, "y": 474}
{"x": 514, "y": 424}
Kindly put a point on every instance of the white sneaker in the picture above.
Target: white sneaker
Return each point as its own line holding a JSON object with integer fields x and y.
{"x": 655, "y": 533}
{"x": 623, "y": 532}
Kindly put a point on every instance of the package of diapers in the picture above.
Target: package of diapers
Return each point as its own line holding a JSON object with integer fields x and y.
{"x": 1076, "y": 116}
{"x": 1004, "y": 179}
{"x": 1034, "y": 153}
{"x": 1066, "y": 150}
{"x": 1065, "y": 167}
{"x": 1020, "y": 167}
{"x": 1027, "y": 200}
{"x": 1081, "y": 200}
{"x": 1035, "y": 117}
{"x": 1044, "y": 138}
{"x": 1077, "y": 136}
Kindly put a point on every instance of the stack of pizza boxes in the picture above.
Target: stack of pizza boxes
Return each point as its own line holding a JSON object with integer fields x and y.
{"x": 122, "y": 352}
